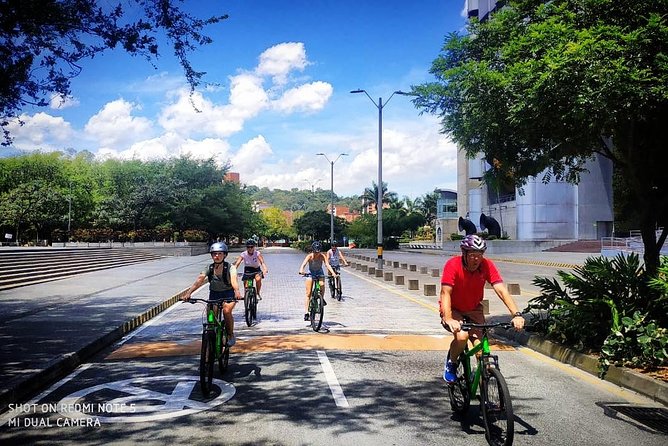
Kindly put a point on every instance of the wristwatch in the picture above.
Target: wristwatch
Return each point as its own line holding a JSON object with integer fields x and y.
{"x": 517, "y": 314}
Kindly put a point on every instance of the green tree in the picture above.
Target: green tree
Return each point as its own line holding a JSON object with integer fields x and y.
{"x": 427, "y": 206}
{"x": 313, "y": 224}
{"x": 541, "y": 87}
{"x": 370, "y": 195}
{"x": 277, "y": 224}
{"x": 45, "y": 42}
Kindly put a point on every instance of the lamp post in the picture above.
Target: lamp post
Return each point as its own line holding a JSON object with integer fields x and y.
{"x": 379, "y": 197}
{"x": 312, "y": 184}
{"x": 331, "y": 195}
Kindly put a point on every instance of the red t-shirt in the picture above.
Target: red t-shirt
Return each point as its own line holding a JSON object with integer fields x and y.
{"x": 468, "y": 287}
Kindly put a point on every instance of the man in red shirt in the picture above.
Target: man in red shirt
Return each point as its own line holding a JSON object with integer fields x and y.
{"x": 462, "y": 291}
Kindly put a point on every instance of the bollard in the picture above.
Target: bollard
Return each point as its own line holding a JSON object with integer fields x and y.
{"x": 485, "y": 306}
{"x": 395, "y": 264}
{"x": 398, "y": 280}
{"x": 371, "y": 271}
{"x": 404, "y": 265}
{"x": 412, "y": 267}
{"x": 435, "y": 272}
{"x": 424, "y": 270}
{"x": 379, "y": 273}
{"x": 413, "y": 284}
{"x": 364, "y": 268}
{"x": 358, "y": 266}
{"x": 388, "y": 276}
{"x": 514, "y": 289}
{"x": 429, "y": 289}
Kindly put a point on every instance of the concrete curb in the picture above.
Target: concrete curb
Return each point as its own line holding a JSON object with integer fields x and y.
{"x": 621, "y": 376}
{"x": 21, "y": 387}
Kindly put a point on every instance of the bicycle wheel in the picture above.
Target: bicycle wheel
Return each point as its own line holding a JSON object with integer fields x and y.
{"x": 460, "y": 397}
{"x": 316, "y": 309}
{"x": 254, "y": 308}
{"x": 222, "y": 350}
{"x": 497, "y": 409}
{"x": 332, "y": 287}
{"x": 206, "y": 361}
{"x": 248, "y": 306}
{"x": 339, "y": 293}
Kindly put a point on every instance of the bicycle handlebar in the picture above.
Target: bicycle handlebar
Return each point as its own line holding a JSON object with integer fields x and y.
{"x": 317, "y": 275}
{"x": 193, "y": 300}
{"x": 467, "y": 325}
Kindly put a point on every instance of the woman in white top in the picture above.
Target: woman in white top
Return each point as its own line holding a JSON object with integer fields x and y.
{"x": 253, "y": 265}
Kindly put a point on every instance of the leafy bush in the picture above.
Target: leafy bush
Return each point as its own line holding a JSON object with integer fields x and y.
{"x": 602, "y": 303}
{"x": 636, "y": 342}
{"x": 455, "y": 236}
{"x": 195, "y": 235}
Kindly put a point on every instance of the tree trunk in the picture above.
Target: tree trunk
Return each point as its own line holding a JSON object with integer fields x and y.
{"x": 651, "y": 256}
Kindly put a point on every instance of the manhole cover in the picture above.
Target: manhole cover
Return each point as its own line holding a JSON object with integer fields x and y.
{"x": 655, "y": 418}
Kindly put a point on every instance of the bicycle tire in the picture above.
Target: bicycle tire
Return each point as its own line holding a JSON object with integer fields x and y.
{"x": 224, "y": 359}
{"x": 339, "y": 293}
{"x": 497, "y": 409}
{"x": 332, "y": 287}
{"x": 316, "y": 308}
{"x": 460, "y": 396}
{"x": 254, "y": 308}
{"x": 248, "y": 306}
{"x": 206, "y": 361}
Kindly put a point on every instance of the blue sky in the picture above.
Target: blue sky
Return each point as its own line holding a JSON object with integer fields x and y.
{"x": 280, "y": 75}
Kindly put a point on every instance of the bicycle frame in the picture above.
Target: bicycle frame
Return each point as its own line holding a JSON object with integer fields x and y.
{"x": 483, "y": 347}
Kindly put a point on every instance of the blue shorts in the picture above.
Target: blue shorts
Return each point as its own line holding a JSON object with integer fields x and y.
{"x": 227, "y": 296}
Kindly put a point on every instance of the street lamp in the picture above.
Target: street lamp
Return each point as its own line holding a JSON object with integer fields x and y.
{"x": 312, "y": 184}
{"x": 331, "y": 195}
{"x": 379, "y": 197}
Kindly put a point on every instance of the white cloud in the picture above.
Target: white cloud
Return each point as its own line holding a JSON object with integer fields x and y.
{"x": 309, "y": 97}
{"x": 114, "y": 125}
{"x": 280, "y": 59}
{"x": 41, "y": 131}
{"x": 59, "y": 102}
{"x": 250, "y": 157}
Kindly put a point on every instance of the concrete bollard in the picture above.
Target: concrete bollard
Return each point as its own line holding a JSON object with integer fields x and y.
{"x": 413, "y": 284}
{"x": 435, "y": 272}
{"x": 398, "y": 280}
{"x": 388, "y": 276}
{"x": 379, "y": 273}
{"x": 371, "y": 271}
{"x": 514, "y": 289}
{"x": 395, "y": 264}
{"x": 404, "y": 265}
{"x": 485, "y": 306}
{"x": 358, "y": 266}
{"x": 424, "y": 270}
{"x": 364, "y": 268}
{"x": 412, "y": 267}
{"x": 430, "y": 289}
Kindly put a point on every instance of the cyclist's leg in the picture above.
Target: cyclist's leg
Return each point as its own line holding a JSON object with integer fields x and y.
{"x": 321, "y": 279}
{"x": 459, "y": 339}
{"x": 258, "y": 284}
{"x": 309, "y": 282}
{"x": 228, "y": 317}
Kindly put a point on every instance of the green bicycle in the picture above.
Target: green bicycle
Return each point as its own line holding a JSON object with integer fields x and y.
{"x": 316, "y": 304}
{"x": 335, "y": 284}
{"x": 250, "y": 298}
{"x": 495, "y": 403}
{"x": 214, "y": 343}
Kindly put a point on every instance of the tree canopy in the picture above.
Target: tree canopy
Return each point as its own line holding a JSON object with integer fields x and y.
{"x": 44, "y": 42}
{"x": 540, "y": 87}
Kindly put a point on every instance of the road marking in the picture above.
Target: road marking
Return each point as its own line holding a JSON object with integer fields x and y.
{"x": 268, "y": 344}
{"x": 334, "y": 387}
{"x": 139, "y": 403}
{"x": 4, "y": 418}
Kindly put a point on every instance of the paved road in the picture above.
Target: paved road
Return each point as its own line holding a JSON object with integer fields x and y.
{"x": 382, "y": 345}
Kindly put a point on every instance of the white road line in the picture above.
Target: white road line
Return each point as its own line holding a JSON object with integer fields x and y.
{"x": 334, "y": 387}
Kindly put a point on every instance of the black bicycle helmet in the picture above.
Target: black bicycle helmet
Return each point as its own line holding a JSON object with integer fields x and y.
{"x": 250, "y": 242}
{"x": 316, "y": 247}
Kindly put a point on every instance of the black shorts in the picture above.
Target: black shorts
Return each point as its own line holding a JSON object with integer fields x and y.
{"x": 226, "y": 296}
{"x": 252, "y": 271}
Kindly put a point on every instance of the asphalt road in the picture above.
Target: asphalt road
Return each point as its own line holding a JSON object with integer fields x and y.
{"x": 371, "y": 377}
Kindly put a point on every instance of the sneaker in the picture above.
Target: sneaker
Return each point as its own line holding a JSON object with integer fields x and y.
{"x": 450, "y": 371}
{"x": 324, "y": 302}
{"x": 259, "y": 298}
{"x": 231, "y": 341}
{"x": 306, "y": 317}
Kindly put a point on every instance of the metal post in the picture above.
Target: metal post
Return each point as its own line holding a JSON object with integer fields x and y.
{"x": 379, "y": 198}
{"x": 331, "y": 209}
